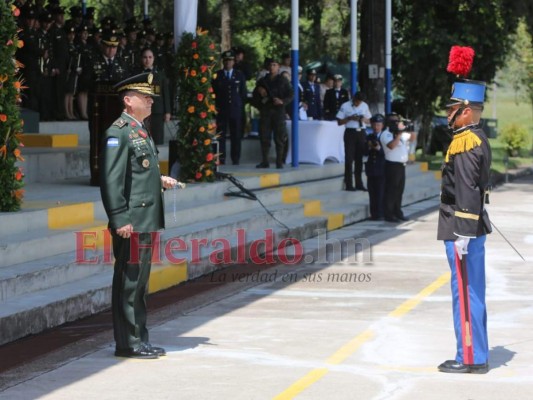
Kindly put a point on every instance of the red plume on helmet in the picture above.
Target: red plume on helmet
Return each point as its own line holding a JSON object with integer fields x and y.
{"x": 460, "y": 61}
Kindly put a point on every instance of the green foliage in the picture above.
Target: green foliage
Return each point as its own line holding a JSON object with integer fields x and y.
{"x": 514, "y": 138}
{"x": 11, "y": 182}
{"x": 519, "y": 68}
{"x": 195, "y": 61}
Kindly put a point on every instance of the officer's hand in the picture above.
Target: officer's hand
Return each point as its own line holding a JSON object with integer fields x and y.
{"x": 168, "y": 182}
{"x": 125, "y": 231}
{"x": 461, "y": 244}
{"x": 277, "y": 101}
{"x": 262, "y": 91}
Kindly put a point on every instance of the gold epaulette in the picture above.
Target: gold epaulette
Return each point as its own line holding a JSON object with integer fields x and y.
{"x": 120, "y": 122}
{"x": 463, "y": 142}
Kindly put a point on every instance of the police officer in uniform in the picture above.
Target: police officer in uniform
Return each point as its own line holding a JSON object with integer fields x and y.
{"x": 334, "y": 98}
{"x": 132, "y": 194}
{"x": 375, "y": 168}
{"x": 311, "y": 96}
{"x": 464, "y": 224}
{"x": 229, "y": 86}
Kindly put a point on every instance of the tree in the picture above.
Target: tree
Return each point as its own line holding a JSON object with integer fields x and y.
{"x": 423, "y": 35}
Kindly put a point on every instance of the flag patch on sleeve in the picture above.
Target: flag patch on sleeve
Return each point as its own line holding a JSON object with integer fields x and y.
{"x": 112, "y": 142}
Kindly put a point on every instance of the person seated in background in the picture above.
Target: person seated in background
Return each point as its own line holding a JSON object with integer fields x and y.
{"x": 375, "y": 168}
{"x": 334, "y": 98}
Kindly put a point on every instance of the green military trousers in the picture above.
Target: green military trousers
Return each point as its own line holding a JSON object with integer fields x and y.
{"x": 133, "y": 260}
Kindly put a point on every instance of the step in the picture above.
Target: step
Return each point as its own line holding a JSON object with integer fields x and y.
{"x": 49, "y": 140}
{"x": 19, "y": 316}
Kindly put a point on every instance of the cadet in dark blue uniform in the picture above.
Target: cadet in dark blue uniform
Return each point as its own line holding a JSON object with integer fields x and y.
{"x": 334, "y": 99}
{"x": 464, "y": 224}
{"x": 229, "y": 86}
{"x": 311, "y": 96}
{"x": 375, "y": 168}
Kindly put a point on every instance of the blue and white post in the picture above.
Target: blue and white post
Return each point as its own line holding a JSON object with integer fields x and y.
{"x": 145, "y": 9}
{"x": 295, "y": 13}
{"x": 353, "y": 46}
{"x": 83, "y": 7}
{"x": 388, "y": 56}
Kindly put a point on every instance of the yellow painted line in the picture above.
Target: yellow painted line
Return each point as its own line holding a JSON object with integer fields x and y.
{"x": 335, "y": 221}
{"x": 163, "y": 277}
{"x": 269, "y": 180}
{"x": 351, "y": 347}
{"x": 438, "y": 175}
{"x": 290, "y": 194}
{"x": 355, "y": 344}
{"x": 302, "y": 384}
{"x": 50, "y": 140}
{"x": 424, "y": 166}
{"x": 411, "y": 303}
{"x": 312, "y": 208}
{"x": 76, "y": 214}
{"x": 163, "y": 167}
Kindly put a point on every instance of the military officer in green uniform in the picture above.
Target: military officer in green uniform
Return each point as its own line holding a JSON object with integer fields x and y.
{"x": 132, "y": 194}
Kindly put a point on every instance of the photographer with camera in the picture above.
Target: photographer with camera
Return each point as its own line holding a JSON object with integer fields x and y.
{"x": 375, "y": 168}
{"x": 354, "y": 114}
{"x": 395, "y": 142}
{"x": 271, "y": 94}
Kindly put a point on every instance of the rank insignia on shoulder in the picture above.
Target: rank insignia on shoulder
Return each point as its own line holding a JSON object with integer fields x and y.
{"x": 120, "y": 123}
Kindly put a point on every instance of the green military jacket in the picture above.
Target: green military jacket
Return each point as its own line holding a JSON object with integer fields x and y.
{"x": 130, "y": 180}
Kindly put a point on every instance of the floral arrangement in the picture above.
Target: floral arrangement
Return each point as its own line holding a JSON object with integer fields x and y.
{"x": 11, "y": 176}
{"x": 195, "y": 61}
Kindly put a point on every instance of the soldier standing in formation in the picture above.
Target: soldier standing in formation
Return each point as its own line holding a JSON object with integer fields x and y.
{"x": 229, "y": 86}
{"x": 271, "y": 95}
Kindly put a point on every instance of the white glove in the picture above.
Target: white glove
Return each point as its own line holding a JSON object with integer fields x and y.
{"x": 461, "y": 244}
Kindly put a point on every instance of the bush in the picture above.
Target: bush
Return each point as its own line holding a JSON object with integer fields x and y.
{"x": 195, "y": 60}
{"x": 514, "y": 138}
{"x": 11, "y": 176}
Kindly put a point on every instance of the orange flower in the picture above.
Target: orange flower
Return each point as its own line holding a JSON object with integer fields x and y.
{"x": 207, "y": 142}
{"x": 198, "y": 175}
{"x": 193, "y": 72}
{"x": 3, "y": 151}
{"x": 3, "y": 118}
{"x": 17, "y": 85}
{"x": 20, "y": 44}
{"x": 16, "y": 153}
{"x": 196, "y": 56}
{"x": 15, "y": 10}
{"x": 203, "y": 80}
{"x": 208, "y": 172}
{"x": 212, "y": 108}
{"x": 201, "y": 129}
{"x": 190, "y": 109}
{"x": 209, "y": 157}
{"x": 19, "y": 194}
{"x": 18, "y": 175}
{"x": 3, "y": 78}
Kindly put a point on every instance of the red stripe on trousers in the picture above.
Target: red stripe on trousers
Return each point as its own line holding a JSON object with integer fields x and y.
{"x": 466, "y": 323}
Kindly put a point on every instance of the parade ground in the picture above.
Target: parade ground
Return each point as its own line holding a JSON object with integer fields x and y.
{"x": 370, "y": 325}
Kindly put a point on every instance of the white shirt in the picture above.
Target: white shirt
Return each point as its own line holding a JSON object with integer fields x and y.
{"x": 348, "y": 109}
{"x": 401, "y": 152}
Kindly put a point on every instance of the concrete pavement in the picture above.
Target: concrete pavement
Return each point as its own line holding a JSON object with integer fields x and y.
{"x": 349, "y": 330}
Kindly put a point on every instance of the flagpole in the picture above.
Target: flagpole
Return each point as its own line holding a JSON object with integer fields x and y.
{"x": 295, "y": 12}
{"x": 388, "y": 56}
{"x": 353, "y": 45}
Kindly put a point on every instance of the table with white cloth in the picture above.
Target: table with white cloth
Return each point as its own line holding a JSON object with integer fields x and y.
{"x": 318, "y": 141}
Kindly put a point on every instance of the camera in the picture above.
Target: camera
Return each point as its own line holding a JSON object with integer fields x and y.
{"x": 409, "y": 125}
{"x": 373, "y": 140}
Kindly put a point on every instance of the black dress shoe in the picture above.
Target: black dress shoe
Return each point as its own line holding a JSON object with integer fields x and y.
{"x": 364, "y": 189}
{"x": 143, "y": 353}
{"x": 158, "y": 350}
{"x": 454, "y": 367}
{"x": 279, "y": 166}
{"x": 350, "y": 189}
{"x": 392, "y": 219}
{"x": 403, "y": 218}
{"x": 263, "y": 165}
